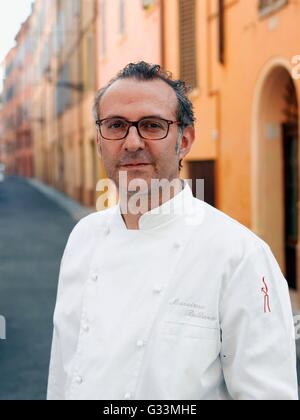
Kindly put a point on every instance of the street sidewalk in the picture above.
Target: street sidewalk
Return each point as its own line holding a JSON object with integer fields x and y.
{"x": 34, "y": 232}
{"x": 72, "y": 207}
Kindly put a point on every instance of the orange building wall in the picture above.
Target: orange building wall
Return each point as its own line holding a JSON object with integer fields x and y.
{"x": 224, "y": 98}
{"x": 231, "y": 120}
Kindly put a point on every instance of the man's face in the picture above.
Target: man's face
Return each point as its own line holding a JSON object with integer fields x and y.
{"x": 133, "y": 100}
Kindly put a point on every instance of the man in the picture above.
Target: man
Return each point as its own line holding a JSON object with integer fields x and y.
{"x": 176, "y": 302}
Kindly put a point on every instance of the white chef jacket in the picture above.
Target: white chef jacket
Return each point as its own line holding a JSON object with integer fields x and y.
{"x": 192, "y": 306}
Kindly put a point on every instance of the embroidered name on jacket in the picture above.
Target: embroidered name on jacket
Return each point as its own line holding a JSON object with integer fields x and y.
{"x": 191, "y": 309}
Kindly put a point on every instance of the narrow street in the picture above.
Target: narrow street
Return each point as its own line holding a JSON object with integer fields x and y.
{"x": 34, "y": 231}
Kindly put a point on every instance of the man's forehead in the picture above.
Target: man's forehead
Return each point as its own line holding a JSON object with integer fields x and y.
{"x": 152, "y": 96}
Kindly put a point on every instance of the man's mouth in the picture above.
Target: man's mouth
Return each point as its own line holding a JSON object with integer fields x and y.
{"x": 135, "y": 165}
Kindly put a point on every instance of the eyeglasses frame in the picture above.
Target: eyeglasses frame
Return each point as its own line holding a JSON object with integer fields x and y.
{"x": 136, "y": 125}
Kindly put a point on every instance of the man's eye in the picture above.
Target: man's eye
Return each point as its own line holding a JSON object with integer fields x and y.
{"x": 116, "y": 124}
{"x": 152, "y": 125}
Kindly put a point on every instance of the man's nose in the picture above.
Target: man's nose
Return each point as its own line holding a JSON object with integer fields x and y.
{"x": 133, "y": 141}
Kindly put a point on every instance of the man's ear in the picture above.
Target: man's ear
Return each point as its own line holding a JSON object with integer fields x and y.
{"x": 98, "y": 144}
{"x": 187, "y": 141}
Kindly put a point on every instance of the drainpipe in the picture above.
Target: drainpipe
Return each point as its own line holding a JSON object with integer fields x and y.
{"x": 162, "y": 32}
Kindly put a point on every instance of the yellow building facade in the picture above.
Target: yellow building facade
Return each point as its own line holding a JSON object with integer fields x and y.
{"x": 65, "y": 82}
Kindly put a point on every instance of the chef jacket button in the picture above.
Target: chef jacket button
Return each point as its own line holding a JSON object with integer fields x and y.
{"x": 106, "y": 230}
{"x": 157, "y": 289}
{"x": 177, "y": 245}
{"x": 79, "y": 380}
{"x": 140, "y": 343}
{"x": 94, "y": 277}
{"x": 128, "y": 395}
{"x": 86, "y": 328}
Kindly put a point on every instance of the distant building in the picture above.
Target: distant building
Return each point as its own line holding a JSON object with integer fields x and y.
{"x": 66, "y": 84}
{"x": 16, "y": 130}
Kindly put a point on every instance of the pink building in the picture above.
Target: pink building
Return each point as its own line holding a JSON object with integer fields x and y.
{"x": 127, "y": 31}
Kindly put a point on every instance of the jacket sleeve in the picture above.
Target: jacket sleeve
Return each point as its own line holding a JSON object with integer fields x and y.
{"x": 57, "y": 377}
{"x": 258, "y": 338}
{"x": 58, "y": 374}
{"x": 56, "y": 380}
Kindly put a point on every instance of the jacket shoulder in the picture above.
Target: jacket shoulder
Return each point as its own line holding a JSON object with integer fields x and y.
{"x": 89, "y": 224}
{"x": 231, "y": 233}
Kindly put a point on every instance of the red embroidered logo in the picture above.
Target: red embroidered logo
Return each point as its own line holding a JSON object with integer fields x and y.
{"x": 265, "y": 291}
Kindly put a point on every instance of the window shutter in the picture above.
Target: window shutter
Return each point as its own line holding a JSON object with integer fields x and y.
{"x": 266, "y": 7}
{"x": 187, "y": 33}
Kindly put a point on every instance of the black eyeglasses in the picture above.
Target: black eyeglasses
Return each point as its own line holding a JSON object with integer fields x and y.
{"x": 148, "y": 128}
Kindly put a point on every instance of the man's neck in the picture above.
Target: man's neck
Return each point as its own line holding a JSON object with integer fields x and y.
{"x": 132, "y": 220}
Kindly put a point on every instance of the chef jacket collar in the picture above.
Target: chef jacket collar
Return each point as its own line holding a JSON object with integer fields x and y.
{"x": 179, "y": 206}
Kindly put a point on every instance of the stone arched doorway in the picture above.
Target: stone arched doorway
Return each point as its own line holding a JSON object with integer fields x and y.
{"x": 276, "y": 168}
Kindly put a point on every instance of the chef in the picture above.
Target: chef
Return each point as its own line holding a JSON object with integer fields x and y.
{"x": 178, "y": 302}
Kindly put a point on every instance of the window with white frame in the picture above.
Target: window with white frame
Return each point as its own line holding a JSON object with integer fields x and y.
{"x": 76, "y": 7}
